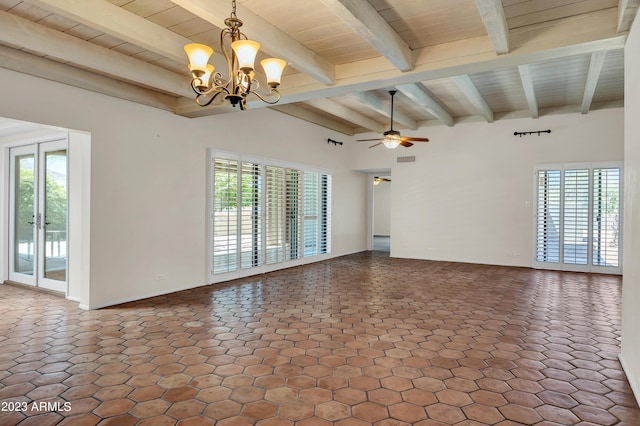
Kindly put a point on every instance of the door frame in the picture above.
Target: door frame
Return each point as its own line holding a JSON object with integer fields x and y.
{"x": 589, "y": 267}
{"x": 38, "y": 149}
{"x": 78, "y": 200}
{"x": 371, "y": 174}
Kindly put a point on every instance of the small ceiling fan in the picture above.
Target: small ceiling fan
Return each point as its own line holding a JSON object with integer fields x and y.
{"x": 377, "y": 180}
{"x": 392, "y": 138}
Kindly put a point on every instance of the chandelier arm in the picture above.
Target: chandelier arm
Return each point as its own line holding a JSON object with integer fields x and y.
{"x": 194, "y": 86}
{"x": 214, "y": 88}
{"x": 203, "y": 104}
{"x": 255, "y": 84}
{"x": 263, "y": 98}
{"x": 218, "y": 80}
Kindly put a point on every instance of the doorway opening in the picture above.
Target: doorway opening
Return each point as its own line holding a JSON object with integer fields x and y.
{"x": 382, "y": 213}
{"x": 45, "y": 220}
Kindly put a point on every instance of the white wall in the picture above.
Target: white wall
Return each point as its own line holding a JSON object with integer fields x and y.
{"x": 148, "y": 180}
{"x": 382, "y": 208}
{"x": 631, "y": 231}
{"x": 469, "y": 195}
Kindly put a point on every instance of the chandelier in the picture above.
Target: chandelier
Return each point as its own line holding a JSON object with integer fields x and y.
{"x": 240, "y": 59}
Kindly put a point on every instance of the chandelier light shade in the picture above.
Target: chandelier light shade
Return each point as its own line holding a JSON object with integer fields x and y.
{"x": 240, "y": 55}
{"x": 273, "y": 68}
{"x": 199, "y": 55}
{"x": 246, "y": 51}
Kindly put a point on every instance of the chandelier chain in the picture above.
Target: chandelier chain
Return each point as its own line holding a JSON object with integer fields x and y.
{"x": 233, "y": 9}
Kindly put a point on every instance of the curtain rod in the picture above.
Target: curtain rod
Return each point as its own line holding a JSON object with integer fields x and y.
{"x": 531, "y": 133}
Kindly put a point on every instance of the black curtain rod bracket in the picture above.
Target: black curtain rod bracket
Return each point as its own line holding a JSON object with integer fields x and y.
{"x": 334, "y": 142}
{"x": 531, "y": 133}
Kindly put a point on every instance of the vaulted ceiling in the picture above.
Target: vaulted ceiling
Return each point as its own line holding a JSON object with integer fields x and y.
{"x": 450, "y": 60}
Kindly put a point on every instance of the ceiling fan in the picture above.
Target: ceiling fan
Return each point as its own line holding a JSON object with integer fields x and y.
{"x": 392, "y": 138}
{"x": 377, "y": 180}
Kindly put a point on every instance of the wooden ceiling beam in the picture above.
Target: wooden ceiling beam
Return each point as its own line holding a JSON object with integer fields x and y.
{"x": 529, "y": 89}
{"x": 384, "y": 108}
{"x": 17, "y": 31}
{"x": 48, "y": 69}
{"x": 475, "y": 97}
{"x": 274, "y": 40}
{"x": 121, "y": 24}
{"x": 313, "y": 117}
{"x": 347, "y": 114}
{"x": 365, "y": 20}
{"x": 495, "y": 21}
{"x": 595, "y": 67}
{"x": 627, "y": 11}
{"x": 417, "y": 95}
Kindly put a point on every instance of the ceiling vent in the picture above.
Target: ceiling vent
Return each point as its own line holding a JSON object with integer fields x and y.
{"x": 408, "y": 159}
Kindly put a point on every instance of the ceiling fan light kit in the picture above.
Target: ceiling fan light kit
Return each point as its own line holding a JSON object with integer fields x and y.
{"x": 391, "y": 139}
{"x": 239, "y": 53}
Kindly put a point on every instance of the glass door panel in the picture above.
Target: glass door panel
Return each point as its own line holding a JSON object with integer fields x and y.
{"x": 24, "y": 216}
{"x": 55, "y": 215}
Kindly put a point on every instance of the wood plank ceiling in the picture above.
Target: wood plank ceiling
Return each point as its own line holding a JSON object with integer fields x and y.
{"x": 450, "y": 60}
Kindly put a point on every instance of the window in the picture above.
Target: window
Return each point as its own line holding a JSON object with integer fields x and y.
{"x": 577, "y": 224}
{"x": 266, "y": 213}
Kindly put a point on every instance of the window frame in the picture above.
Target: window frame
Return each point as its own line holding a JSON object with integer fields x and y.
{"x": 324, "y": 222}
{"x": 561, "y": 264}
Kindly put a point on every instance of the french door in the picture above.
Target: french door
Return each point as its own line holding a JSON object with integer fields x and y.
{"x": 38, "y": 215}
{"x": 578, "y": 220}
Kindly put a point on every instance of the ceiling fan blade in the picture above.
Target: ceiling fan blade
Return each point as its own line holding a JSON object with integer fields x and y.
{"x": 406, "y": 144}
{"x": 379, "y": 143}
{"x": 368, "y": 140}
{"x": 406, "y": 138}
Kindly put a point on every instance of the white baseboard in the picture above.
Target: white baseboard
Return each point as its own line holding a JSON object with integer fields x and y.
{"x": 633, "y": 381}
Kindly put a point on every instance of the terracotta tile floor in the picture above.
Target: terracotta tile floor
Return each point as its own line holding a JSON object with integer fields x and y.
{"x": 358, "y": 340}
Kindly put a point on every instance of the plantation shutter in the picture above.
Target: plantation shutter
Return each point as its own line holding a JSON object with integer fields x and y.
{"x": 275, "y": 214}
{"x": 576, "y": 216}
{"x": 325, "y": 214}
{"x": 250, "y": 220}
{"x": 311, "y": 212}
{"x": 225, "y": 210}
{"x": 548, "y": 216}
{"x": 606, "y": 216}
{"x": 265, "y": 212}
{"x": 293, "y": 209}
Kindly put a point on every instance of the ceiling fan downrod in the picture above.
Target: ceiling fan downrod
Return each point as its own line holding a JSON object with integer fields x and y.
{"x": 392, "y": 93}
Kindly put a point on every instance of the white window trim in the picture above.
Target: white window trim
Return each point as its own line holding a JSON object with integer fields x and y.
{"x": 561, "y": 266}
{"x": 264, "y": 268}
